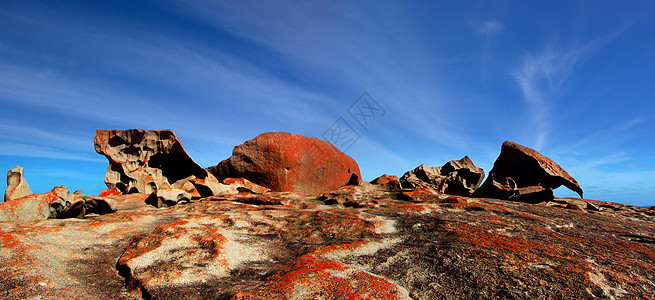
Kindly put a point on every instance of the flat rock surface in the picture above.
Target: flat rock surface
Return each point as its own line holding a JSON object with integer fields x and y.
{"x": 285, "y": 246}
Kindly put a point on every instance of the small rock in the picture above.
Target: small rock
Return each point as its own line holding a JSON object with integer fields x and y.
{"x": 17, "y": 186}
{"x": 167, "y": 197}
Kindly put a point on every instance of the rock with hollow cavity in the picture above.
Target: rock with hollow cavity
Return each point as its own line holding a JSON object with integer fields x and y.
{"x": 286, "y": 162}
{"x": 523, "y": 174}
{"x": 17, "y": 186}
{"x": 143, "y": 161}
{"x": 167, "y": 197}
{"x": 456, "y": 177}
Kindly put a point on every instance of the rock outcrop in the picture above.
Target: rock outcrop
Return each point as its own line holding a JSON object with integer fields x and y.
{"x": 523, "y": 174}
{"x": 17, "y": 186}
{"x": 388, "y": 182}
{"x": 287, "y": 162}
{"x": 456, "y": 177}
{"x": 58, "y": 203}
{"x": 143, "y": 161}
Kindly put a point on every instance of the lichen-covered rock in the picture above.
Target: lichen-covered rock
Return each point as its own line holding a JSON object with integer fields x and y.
{"x": 293, "y": 247}
{"x": 29, "y": 208}
{"x": 523, "y": 174}
{"x": 287, "y": 162}
{"x": 456, "y": 177}
{"x": 17, "y": 186}
{"x": 142, "y": 161}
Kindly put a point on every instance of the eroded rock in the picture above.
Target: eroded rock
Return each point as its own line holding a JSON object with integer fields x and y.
{"x": 387, "y": 182}
{"x": 456, "y": 177}
{"x": 143, "y": 161}
{"x": 523, "y": 174}
{"x": 167, "y": 197}
{"x": 287, "y": 162}
{"x": 17, "y": 186}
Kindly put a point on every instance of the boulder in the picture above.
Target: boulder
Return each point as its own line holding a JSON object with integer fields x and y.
{"x": 143, "y": 161}
{"x": 58, "y": 203}
{"x": 387, "y": 182}
{"x": 523, "y": 174}
{"x": 99, "y": 205}
{"x": 29, "y": 208}
{"x": 64, "y": 204}
{"x": 456, "y": 177}
{"x": 167, "y": 197}
{"x": 286, "y": 162}
{"x": 17, "y": 186}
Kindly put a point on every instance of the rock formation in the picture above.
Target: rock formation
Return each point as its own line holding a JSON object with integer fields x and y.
{"x": 167, "y": 197}
{"x": 523, "y": 174}
{"x": 358, "y": 240}
{"x": 57, "y": 203}
{"x": 17, "y": 186}
{"x": 387, "y": 182}
{"x": 142, "y": 161}
{"x": 289, "y": 163}
{"x": 456, "y": 177}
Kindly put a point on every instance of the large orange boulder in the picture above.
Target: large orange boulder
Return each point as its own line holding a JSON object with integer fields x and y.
{"x": 523, "y": 174}
{"x": 286, "y": 162}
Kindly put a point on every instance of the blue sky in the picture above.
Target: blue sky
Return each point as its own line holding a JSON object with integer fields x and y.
{"x": 572, "y": 79}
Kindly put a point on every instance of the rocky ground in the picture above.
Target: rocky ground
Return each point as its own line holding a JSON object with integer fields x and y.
{"x": 375, "y": 245}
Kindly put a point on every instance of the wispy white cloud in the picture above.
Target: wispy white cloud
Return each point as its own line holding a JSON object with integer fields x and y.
{"x": 489, "y": 28}
{"x": 25, "y": 150}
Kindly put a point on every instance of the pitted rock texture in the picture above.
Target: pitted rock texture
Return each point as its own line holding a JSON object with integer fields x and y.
{"x": 294, "y": 247}
{"x": 286, "y": 162}
{"x": 17, "y": 186}
{"x": 523, "y": 174}
{"x": 142, "y": 161}
{"x": 456, "y": 177}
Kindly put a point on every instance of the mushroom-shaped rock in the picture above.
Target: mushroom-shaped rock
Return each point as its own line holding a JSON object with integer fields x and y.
{"x": 456, "y": 177}
{"x": 17, "y": 186}
{"x": 143, "y": 161}
{"x": 523, "y": 174}
{"x": 286, "y": 162}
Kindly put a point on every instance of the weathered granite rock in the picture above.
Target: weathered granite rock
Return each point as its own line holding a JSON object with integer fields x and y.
{"x": 245, "y": 186}
{"x": 442, "y": 248}
{"x": 287, "y": 162}
{"x": 142, "y": 161}
{"x": 17, "y": 186}
{"x": 29, "y": 208}
{"x": 99, "y": 205}
{"x": 387, "y": 182}
{"x": 523, "y": 174}
{"x": 167, "y": 197}
{"x": 456, "y": 177}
